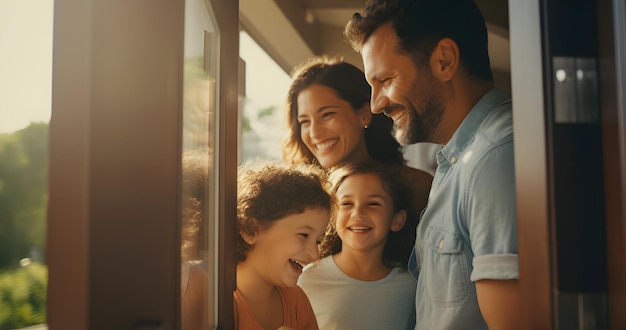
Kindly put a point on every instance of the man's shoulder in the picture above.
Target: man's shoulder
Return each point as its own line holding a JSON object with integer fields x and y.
{"x": 498, "y": 124}
{"x": 492, "y": 147}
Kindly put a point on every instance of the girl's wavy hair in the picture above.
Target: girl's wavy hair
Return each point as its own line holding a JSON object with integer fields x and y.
{"x": 268, "y": 191}
{"x": 399, "y": 244}
{"x": 351, "y": 86}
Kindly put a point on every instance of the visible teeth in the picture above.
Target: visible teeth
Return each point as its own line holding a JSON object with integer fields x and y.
{"x": 326, "y": 145}
{"x": 394, "y": 110}
{"x": 356, "y": 228}
{"x": 397, "y": 116}
{"x": 298, "y": 263}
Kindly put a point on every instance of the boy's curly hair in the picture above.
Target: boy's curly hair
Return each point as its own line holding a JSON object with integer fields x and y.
{"x": 270, "y": 190}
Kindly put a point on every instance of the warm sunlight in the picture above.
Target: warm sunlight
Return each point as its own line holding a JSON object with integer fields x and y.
{"x": 263, "y": 106}
{"x": 25, "y": 63}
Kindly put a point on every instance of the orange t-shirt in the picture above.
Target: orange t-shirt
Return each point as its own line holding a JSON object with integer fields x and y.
{"x": 297, "y": 311}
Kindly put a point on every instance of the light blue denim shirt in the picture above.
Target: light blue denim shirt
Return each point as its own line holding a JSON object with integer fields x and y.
{"x": 468, "y": 231}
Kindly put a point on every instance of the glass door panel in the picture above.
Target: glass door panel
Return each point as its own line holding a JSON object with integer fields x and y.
{"x": 198, "y": 220}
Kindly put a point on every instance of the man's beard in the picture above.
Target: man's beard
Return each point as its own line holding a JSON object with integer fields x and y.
{"x": 420, "y": 128}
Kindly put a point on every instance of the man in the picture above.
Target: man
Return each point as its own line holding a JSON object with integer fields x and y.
{"x": 428, "y": 65}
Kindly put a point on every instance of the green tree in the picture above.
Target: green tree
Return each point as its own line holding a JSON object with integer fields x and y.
{"x": 23, "y": 192}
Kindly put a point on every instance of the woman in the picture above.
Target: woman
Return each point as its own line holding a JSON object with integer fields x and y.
{"x": 330, "y": 124}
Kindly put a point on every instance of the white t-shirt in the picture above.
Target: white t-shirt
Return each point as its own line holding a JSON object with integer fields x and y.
{"x": 341, "y": 302}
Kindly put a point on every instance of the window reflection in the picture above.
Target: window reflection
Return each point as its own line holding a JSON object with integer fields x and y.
{"x": 197, "y": 185}
{"x": 194, "y": 271}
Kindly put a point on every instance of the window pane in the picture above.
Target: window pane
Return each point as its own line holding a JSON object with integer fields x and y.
{"x": 25, "y": 89}
{"x": 198, "y": 221}
{"x": 263, "y": 127}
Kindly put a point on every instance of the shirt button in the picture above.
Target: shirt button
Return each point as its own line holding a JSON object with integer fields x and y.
{"x": 453, "y": 159}
{"x": 441, "y": 244}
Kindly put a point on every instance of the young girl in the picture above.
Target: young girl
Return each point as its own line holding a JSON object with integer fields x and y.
{"x": 362, "y": 282}
{"x": 282, "y": 214}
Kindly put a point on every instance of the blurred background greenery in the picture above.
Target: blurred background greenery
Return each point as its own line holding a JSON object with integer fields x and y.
{"x": 23, "y": 296}
{"x": 23, "y": 202}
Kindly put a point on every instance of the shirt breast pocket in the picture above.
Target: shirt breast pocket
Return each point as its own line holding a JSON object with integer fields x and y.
{"x": 445, "y": 268}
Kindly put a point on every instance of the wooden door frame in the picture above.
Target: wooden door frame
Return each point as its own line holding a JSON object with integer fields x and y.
{"x": 113, "y": 236}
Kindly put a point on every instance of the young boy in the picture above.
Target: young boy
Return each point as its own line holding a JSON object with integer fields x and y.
{"x": 282, "y": 214}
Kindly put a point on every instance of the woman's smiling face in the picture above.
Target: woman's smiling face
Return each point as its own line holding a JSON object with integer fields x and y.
{"x": 330, "y": 128}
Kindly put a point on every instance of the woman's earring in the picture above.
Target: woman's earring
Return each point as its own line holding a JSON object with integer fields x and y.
{"x": 248, "y": 238}
{"x": 365, "y": 126}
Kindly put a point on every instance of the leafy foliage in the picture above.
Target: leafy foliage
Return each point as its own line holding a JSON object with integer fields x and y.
{"x": 23, "y": 296}
{"x": 267, "y": 112}
{"x": 23, "y": 192}
{"x": 23, "y": 200}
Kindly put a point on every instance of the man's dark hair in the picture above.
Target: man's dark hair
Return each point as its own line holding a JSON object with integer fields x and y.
{"x": 420, "y": 24}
